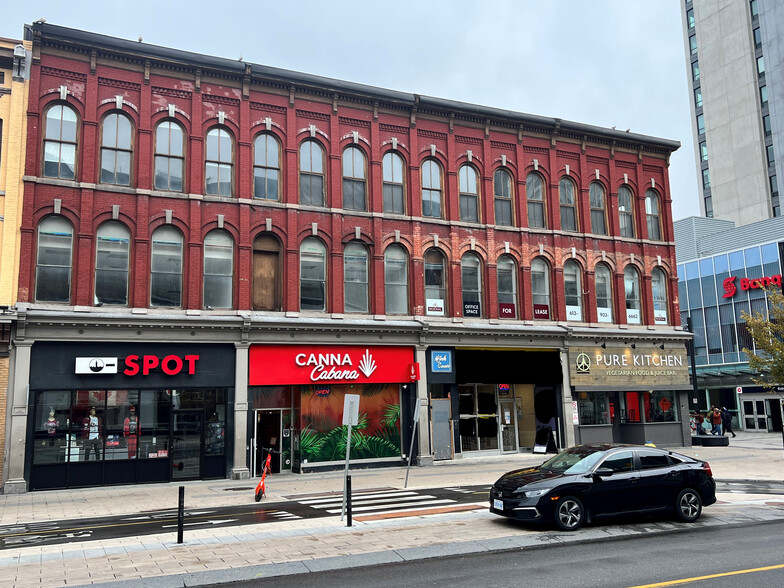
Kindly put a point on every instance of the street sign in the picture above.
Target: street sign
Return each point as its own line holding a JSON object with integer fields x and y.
{"x": 351, "y": 409}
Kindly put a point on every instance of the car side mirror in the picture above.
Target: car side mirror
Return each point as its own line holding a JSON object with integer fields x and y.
{"x": 603, "y": 472}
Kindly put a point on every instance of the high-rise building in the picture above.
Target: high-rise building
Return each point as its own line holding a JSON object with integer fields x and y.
{"x": 735, "y": 58}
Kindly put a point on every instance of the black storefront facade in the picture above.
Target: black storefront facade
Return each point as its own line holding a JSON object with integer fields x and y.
{"x": 124, "y": 413}
{"x": 490, "y": 401}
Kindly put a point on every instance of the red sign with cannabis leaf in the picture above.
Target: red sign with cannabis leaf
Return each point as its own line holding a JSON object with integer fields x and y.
{"x": 275, "y": 365}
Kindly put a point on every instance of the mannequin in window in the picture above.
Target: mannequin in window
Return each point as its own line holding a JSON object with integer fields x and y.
{"x": 215, "y": 435}
{"x": 92, "y": 431}
{"x": 50, "y": 426}
{"x": 131, "y": 431}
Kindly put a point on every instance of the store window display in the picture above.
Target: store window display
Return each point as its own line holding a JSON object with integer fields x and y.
{"x": 131, "y": 431}
{"x": 92, "y": 432}
{"x": 51, "y": 428}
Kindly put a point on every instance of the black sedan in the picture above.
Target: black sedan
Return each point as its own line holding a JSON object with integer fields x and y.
{"x": 603, "y": 479}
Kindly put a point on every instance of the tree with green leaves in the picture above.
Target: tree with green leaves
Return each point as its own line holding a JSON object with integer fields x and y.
{"x": 767, "y": 332}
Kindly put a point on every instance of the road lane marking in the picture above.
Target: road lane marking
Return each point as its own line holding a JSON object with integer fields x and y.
{"x": 711, "y": 576}
{"x": 126, "y": 524}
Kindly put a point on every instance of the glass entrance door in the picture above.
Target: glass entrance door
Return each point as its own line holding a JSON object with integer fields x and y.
{"x": 187, "y": 444}
{"x": 478, "y": 417}
{"x": 508, "y": 425}
{"x": 268, "y": 434}
{"x": 756, "y": 419}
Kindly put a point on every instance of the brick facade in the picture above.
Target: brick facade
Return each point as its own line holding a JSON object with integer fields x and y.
{"x": 250, "y": 104}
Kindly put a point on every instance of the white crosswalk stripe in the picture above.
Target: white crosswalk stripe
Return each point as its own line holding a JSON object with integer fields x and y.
{"x": 378, "y": 502}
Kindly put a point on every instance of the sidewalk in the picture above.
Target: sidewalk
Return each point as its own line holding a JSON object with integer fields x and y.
{"x": 310, "y": 544}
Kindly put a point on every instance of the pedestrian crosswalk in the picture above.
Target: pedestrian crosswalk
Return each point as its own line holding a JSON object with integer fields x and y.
{"x": 379, "y": 502}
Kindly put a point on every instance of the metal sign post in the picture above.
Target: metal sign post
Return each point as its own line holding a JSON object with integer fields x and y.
{"x": 413, "y": 436}
{"x": 350, "y": 418}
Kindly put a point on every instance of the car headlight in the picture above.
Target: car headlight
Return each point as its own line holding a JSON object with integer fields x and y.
{"x": 535, "y": 493}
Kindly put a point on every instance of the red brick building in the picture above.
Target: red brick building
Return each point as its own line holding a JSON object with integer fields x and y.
{"x": 176, "y": 201}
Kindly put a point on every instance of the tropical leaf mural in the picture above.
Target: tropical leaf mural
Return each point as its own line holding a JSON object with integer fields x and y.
{"x": 376, "y": 435}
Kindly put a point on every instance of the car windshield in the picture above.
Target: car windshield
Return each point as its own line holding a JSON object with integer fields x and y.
{"x": 577, "y": 460}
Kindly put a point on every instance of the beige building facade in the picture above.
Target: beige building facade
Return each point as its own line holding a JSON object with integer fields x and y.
{"x": 14, "y": 84}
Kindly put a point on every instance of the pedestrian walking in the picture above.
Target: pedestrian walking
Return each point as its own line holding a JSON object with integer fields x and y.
{"x": 726, "y": 421}
{"x": 715, "y": 419}
{"x": 699, "y": 420}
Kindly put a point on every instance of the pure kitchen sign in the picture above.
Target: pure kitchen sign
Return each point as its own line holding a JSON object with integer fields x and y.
{"x": 276, "y": 365}
{"x": 653, "y": 367}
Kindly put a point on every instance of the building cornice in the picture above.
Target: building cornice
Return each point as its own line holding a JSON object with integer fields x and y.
{"x": 240, "y": 72}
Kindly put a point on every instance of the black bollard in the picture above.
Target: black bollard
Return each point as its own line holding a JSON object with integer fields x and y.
{"x": 348, "y": 500}
{"x": 180, "y": 514}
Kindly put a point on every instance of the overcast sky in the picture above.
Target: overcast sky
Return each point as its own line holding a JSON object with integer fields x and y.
{"x": 601, "y": 62}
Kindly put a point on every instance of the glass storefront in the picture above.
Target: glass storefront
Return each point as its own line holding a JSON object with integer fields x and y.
{"x": 595, "y": 408}
{"x": 323, "y": 436}
{"x": 85, "y": 429}
{"x": 656, "y": 406}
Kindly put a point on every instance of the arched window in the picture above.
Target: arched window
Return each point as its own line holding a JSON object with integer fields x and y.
{"x": 219, "y": 166}
{"x": 166, "y": 267}
{"x": 431, "y": 189}
{"x": 534, "y": 193}
{"x": 394, "y": 187}
{"x": 169, "y": 156}
{"x": 471, "y": 278}
{"x": 435, "y": 283}
{"x": 266, "y": 167}
{"x": 355, "y": 278}
{"x": 396, "y": 280}
{"x": 311, "y": 174}
{"x": 652, "y": 215}
{"x": 116, "y": 149}
{"x": 53, "y": 262}
{"x": 218, "y": 270}
{"x": 60, "y": 142}
{"x": 598, "y": 209}
{"x": 604, "y": 310}
{"x": 312, "y": 275}
{"x": 568, "y": 205}
{"x": 631, "y": 284}
{"x": 502, "y": 192}
{"x": 354, "y": 174}
{"x": 112, "y": 256}
{"x": 506, "y": 271}
{"x": 573, "y": 291}
{"x": 469, "y": 194}
{"x": 626, "y": 211}
{"x": 659, "y": 287}
{"x": 267, "y": 273}
{"x": 540, "y": 288}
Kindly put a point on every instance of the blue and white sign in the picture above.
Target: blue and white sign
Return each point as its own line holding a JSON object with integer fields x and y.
{"x": 441, "y": 362}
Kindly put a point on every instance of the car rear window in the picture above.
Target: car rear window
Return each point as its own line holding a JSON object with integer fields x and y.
{"x": 653, "y": 461}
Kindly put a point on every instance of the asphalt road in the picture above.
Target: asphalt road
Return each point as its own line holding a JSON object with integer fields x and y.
{"x": 713, "y": 557}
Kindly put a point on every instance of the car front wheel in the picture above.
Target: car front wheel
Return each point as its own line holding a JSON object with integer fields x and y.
{"x": 569, "y": 513}
{"x": 688, "y": 505}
